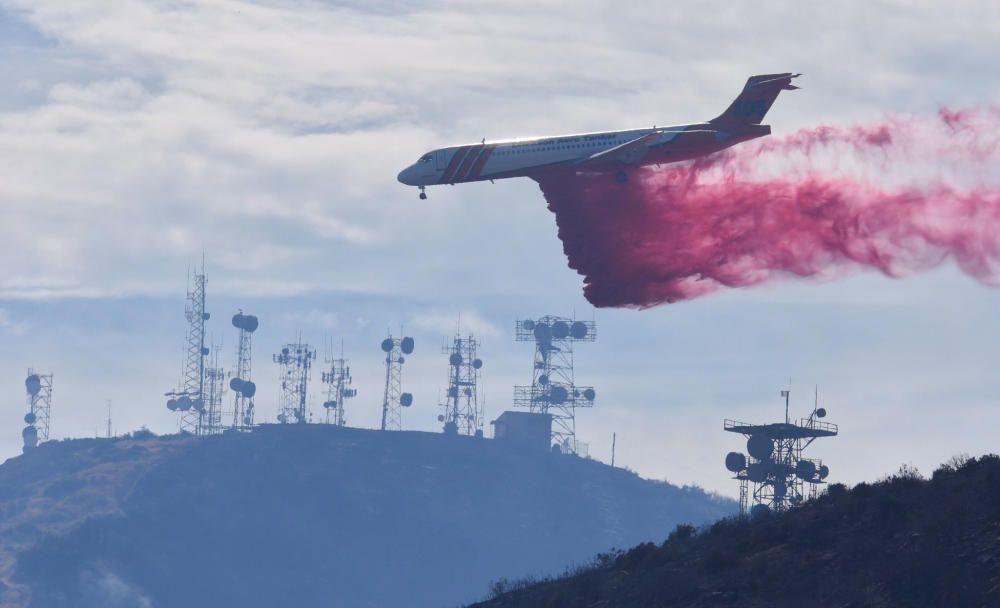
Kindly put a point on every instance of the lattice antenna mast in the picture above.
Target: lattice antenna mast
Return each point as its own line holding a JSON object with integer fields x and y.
{"x": 553, "y": 387}
{"x": 394, "y": 398}
{"x": 296, "y": 362}
{"x": 241, "y": 384}
{"x": 776, "y": 476}
{"x": 189, "y": 400}
{"x": 462, "y": 409}
{"x": 338, "y": 388}
{"x": 39, "y": 402}
{"x": 215, "y": 390}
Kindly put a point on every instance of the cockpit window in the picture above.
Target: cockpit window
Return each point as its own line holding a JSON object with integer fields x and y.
{"x": 425, "y": 159}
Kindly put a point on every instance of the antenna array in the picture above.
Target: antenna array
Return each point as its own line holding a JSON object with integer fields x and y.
{"x": 189, "y": 400}
{"x": 394, "y": 398}
{"x": 338, "y": 381}
{"x": 242, "y": 386}
{"x": 296, "y": 370}
{"x": 553, "y": 389}
{"x": 463, "y": 412}
{"x": 39, "y": 389}
{"x": 775, "y": 473}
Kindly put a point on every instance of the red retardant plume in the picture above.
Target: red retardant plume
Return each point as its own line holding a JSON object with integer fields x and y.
{"x": 899, "y": 197}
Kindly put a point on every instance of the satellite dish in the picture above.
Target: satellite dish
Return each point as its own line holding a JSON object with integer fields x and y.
{"x": 29, "y": 432}
{"x": 250, "y": 323}
{"x": 543, "y": 379}
{"x": 760, "y": 447}
{"x": 172, "y": 405}
{"x": 543, "y": 333}
{"x": 33, "y": 384}
{"x": 759, "y": 510}
{"x": 204, "y": 351}
{"x": 589, "y": 394}
{"x": 184, "y": 403}
{"x": 455, "y": 359}
{"x": 805, "y": 470}
{"x": 558, "y": 395}
{"x": 30, "y": 418}
{"x": 406, "y": 399}
{"x": 249, "y": 389}
{"x": 735, "y": 462}
{"x": 329, "y": 404}
{"x": 528, "y": 324}
{"x": 440, "y": 418}
{"x": 206, "y": 316}
{"x": 467, "y": 391}
{"x": 387, "y": 345}
{"x": 198, "y": 405}
{"x": 236, "y": 384}
{"x": 406, "y": 345}
{"x": 578, "y": 330}
{"x": 238, "y": 320}
{"x": 477, "y": 363}
{"x": 453, "y": 391}
{"x": 756, "y": 472}
{"x": 560, "y": 330}
{"x": 401, "y": 360}
{"x": 821, "y": 413}
{"x": 823, "y": 471}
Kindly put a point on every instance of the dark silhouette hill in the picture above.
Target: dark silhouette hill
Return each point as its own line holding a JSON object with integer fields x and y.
{"x": 903, "y": 542}
{"x": 311, "y": 516}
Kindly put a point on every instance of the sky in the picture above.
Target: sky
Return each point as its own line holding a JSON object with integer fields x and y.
{"x": 136, "y": 136}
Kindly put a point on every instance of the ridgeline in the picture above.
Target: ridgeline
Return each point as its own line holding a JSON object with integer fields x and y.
{"x": 311, "y": 516}
{"x": 903, "y": 542}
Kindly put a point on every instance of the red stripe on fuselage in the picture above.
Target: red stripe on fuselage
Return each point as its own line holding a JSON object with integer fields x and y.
{"x": 457, "y": 158}
{"x": 476, "y": 168}
{"x": 470, "y": 158}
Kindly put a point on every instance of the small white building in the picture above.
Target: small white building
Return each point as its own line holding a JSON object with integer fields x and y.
{"x": 529, "y": 430}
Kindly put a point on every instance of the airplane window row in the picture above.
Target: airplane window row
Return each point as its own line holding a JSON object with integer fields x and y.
{"x": 563, "y": 147}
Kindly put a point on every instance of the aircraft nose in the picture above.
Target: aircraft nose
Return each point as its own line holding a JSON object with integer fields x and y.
{"x": 406, "y": 176}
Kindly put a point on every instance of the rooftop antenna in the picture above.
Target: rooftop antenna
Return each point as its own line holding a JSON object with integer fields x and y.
{"x": 338, "y": 380}
{"x": 462, "y": 408}
{"x": 39, "y": 401}
{"x": 295, "y": 361}
{"x": 394, "y": 398}
{"x": 241, "y": 384}
{"x": 189, "y": 399}
{"x": 774, "y": 476}
{"x": 553, "y": 389}
{"x": 109, "y": 435}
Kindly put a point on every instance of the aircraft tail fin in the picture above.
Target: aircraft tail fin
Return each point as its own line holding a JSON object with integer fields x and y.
{"x": 755, "y": 100}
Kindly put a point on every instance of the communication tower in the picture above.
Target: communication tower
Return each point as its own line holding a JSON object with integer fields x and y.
{"x": 463, "y": 412}
{"x": 39, "y": 389}
{"x": 775, "y": 475}
{"x": 296, "y": 370}
{"x": 338, "y": 388}
{"x": 242, "y": 386}
{"x": 553, "y": 389}
{"x": 395, "y": 399}
{"x": 215, "y": 389}
{"x": 189, "y": 399}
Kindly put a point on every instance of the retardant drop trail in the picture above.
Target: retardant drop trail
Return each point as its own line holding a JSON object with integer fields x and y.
{"x": 901, "y": 197}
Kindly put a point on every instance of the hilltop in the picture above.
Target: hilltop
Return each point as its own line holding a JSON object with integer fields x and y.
{"x": 311, "y": 515}
{"x": 905, "y": 541}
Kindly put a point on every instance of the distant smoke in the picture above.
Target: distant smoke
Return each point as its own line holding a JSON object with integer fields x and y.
{"x": 901, "y": 196}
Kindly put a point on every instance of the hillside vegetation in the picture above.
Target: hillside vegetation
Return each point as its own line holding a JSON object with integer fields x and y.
{"x": 311, "y": 516}
{"x": 903, "y": 542}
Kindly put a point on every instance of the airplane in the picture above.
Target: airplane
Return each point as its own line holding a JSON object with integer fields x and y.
{"x": 620, "y": 151}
